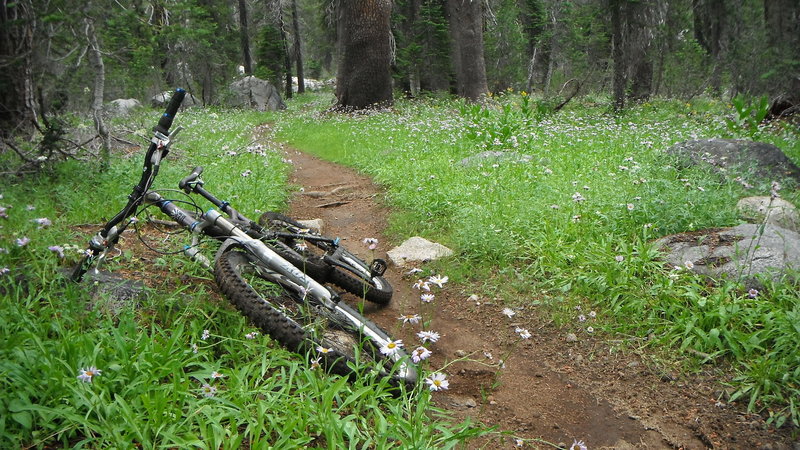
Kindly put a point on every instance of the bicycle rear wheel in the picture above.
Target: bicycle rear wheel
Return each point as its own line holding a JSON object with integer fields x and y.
{"x": 354, "y": 277}
{"x": 303, "y": 325}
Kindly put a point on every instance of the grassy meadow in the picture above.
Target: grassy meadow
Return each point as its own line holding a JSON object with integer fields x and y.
{"x": 570, "y": 228}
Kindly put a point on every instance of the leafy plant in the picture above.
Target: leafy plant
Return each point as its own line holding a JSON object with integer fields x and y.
{"x": 750, "y": 113}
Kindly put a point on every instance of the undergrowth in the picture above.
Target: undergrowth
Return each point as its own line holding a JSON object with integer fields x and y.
{"x": 569, "y": 213}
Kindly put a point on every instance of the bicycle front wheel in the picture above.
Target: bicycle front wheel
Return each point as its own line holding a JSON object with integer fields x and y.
{"x": 344, "y": 339}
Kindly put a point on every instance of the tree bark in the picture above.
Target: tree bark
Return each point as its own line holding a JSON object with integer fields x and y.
{"x": 96, "y": 60}
{"x": 298, "y": 54}
{"x": 364, "y": 77}
{"x": 244, "y": 36}
{"x": 17, "y": 105}
{"x": 466, "y": 30}
{"x": 618, "y": 55}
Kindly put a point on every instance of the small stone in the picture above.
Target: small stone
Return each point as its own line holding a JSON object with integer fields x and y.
{"x": 460, "y": 353}
{"x": 571, "y": 337}
{"x": 470, "y": 403}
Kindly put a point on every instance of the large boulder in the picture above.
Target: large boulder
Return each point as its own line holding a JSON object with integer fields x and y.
{"x": 739, "y": 253}
{"x": 252, "y": 92}
{"x": 774, "y": 211}
{"x": 756, "y": 161}
{"x": 123, "y": 106}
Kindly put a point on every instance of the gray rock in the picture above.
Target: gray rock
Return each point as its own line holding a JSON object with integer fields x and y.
{"x": 774, "y": 211}
{"x": 417, "y": 249}
{"x": 496, "y": 157}
{"x": 123, "y": 106}
{"x": 161, "y": 100}
{"x": 748, "y": 159}
{"x": 313, "y": 224}
{"x": 738, "y": 253}
{"x": 252, "y": 92}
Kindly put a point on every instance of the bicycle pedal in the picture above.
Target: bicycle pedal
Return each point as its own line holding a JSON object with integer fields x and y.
{"x": 377, "y": 268}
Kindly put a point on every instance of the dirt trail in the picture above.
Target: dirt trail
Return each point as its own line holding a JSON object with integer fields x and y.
{"x": 550, "y": 389}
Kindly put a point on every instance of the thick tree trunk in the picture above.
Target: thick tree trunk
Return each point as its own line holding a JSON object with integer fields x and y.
{"x": 298, "y": 55}
{"x": 244, "y": 36}
{"x": 364, "y": 78}
{"x": 287, "y": 57}
{"x": 710, "y": 30}
{"x": 466, "y": 30}
{"x": 17, "y": 106}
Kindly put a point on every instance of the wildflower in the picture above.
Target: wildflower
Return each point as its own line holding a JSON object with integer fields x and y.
{"x": 619, "y": 258}
{"x": 315, "y": 363}
{"x": 208, "y": 390}
{"x": 576, "y": 218}
{"x": 57, "y": 249}
{"x": 437, "y": 381}
{"x": 391, "y": 347}
{"x": 43, "y": 222}
{"x": 87, "y": 375}
{"x": 523, "y": 333}
{"x": 247, "y": 173}
{"x": 548, "y": 171}
{"x": 437, "y": 280}
{"x": 631, "y": 206}
{"x": 420, "y": 354}
{"x": 427, "y": 297}
{"x": 689, "y": 265}
{"x": 590, "y": 329}
{"x": 577, "y": 197}
{"x": 216, "y": 375}
{"x": 195, "y": 348}
{"x": 3, "y": 212}
{"x": 4, "y": 270}
{"x": 509, "y": 312}
{"x": 205, "y": 335}
{"x": 581, "y": 318}
{"x": 371, "y": 243}
{"x": 301, "y": 246}
{"x": 413, "y": 271}
{"x": 592, "y": 314}
{"x": 30, "y": 208}
{"x": 23, "y": 241}
{"x": 324, "y": 350}
{"x": 422, "y": 285}
{"x": 252, "y": 335}
{"x": 519, "y": 442}
{"x": 554, "y": 207}
{"x": 752, "y": 293}
{"x": 578, "y": 445}
{"x": 428, "y": 336}
{"x": 409, "y": 318}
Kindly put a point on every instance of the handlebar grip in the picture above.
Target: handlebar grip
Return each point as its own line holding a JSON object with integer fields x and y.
{"x": 172, "y": 108}
{"x": 183, "y": 184}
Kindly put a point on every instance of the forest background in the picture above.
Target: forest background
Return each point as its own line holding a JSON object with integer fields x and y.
{"x": 64, "y": 55}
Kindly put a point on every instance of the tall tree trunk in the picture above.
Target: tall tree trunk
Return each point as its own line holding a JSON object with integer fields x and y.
{"x": 298, "y": 54}
{"x": 287, "y": 57}
{"x": 466, "y": 29}
{"x": 364, "y": 77}
{"x": 641, "y": 19}
{"x": 710, "y": 23}
{"x": 96, "y": 60}
{"x": 17, "y": 106}
{"x": 618, "y": 55}
{"x": 244, "y": 36}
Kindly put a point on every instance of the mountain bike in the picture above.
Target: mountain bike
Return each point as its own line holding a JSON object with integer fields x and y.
{"x": 265, "y": 271}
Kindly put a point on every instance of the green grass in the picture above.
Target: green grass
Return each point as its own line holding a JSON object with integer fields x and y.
{"x": 514, "y": 228}
{"x": 595, "y": 252}
{"x": 156, "y": 366}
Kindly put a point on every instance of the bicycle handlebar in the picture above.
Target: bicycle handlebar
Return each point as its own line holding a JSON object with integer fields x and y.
{"x": 184, "y": 183}
{"x": 169, "y": 115}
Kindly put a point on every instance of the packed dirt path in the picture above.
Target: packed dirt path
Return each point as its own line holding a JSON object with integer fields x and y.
{"x": 551, "y": 392}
